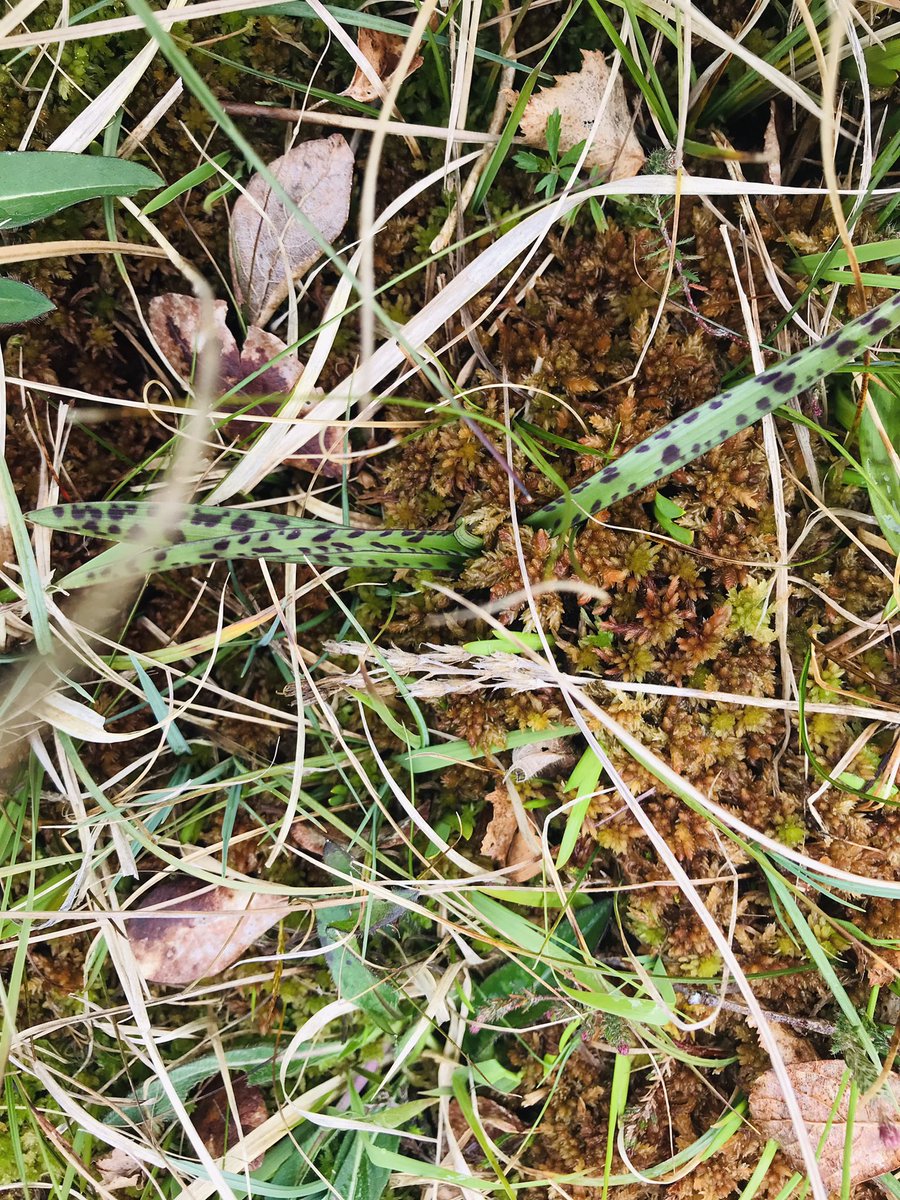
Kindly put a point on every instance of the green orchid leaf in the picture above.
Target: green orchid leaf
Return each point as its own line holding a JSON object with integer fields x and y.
{"x": 19, "y": 302}
{"x": 38, "y": 183}
{"x": 156, "y": 538}
{"x": 712, "y": 423}
{"x": 667, "y": 513}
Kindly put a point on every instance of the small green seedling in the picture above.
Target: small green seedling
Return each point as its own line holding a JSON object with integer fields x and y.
{"x": 555, "y": 169}
{"x": 668, "y": 513}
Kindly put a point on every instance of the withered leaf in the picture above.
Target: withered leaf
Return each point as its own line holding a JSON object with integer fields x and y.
{"x": 876, "y": 1127}
{"x": 502, "y": 827}
{"x": 321, "y": 454}
{"x": 175, "y": 323}
{"x": 793, "y": 1048}
{"x": 214, "y": 1118}
{"x": 772, "y": 148}
{"x": 269, "y": 248}
{"x": 199, "y": 930}
{"x": 615, "y": 150}
{"x": 278, "y": 378}
{"x": 118, "y": 1169}
{"x": 504, "y": 842}
{"x": 383, "y": 51}
{"x": 541, "y": 758}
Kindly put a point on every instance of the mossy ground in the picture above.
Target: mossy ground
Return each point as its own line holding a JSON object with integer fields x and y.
{"x": 697, "y": 616}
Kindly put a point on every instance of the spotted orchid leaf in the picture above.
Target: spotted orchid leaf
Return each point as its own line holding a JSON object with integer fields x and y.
{"x": 712, "y": 423}
{"x": 153, "y": 538}
{"x": 203, "y": 534}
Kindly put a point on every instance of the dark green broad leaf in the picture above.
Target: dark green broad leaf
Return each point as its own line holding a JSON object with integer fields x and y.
{"x": 19, "y": 302}
{"x": 37, "y": 183}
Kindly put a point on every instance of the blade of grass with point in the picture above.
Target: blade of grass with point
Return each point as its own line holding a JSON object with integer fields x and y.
{"x": 583, "y": 781}
{"x": 461, "y": 1084}
{"x": 192, "y": 179}
{"x": 160, "y": 709}
{"x": 618, "y": 1101}
{"x": 816, "y": 953}
{"x": 440, "y": 756}
{"x": 31, "y": 580}
{"x": 596, "y": 991}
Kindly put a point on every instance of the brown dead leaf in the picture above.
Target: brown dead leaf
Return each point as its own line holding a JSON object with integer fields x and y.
{"x": 200, "y": 930}
{"x": 269, "y": 249}
{"x": 615, "y": 150}
{"x": 175, "y": 323}
{"x": 794, "y": 1049}
{"x": 215, "y": 1120}
{"x": 521, "y": 855}
{"x": 876, "y": 1128}
{"x": 279, "y": 378}
{"x": 321, "y": 454}
{"x": 383, "y": 51}
{"x": 307, "y": 836}
{"x": 504, "y": 842}
{"x": 118, "y": 1169}
{"x": 772, "y": 148}
{"x": 502, "y": 826}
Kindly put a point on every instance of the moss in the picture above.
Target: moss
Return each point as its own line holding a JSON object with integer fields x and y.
{"x": 32, "y": 1158}
{"x": 750, "y": 613}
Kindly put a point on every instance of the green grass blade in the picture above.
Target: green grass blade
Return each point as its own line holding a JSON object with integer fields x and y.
{"x": 443, "y": 755}
{"x": 618, "y": 1102}
{"x": 31, "y": 580}
{"x": 191, "y": 180}
{"x": 879, "y": 463}
{"x": 837, "y": 257}
{"x": 703, "y": 428}
{"x": 160, "y": 709}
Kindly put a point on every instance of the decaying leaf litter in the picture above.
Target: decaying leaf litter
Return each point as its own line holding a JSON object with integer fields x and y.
{"x": 661, "y": 618}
